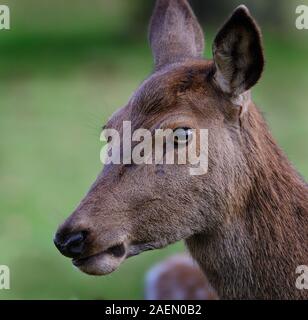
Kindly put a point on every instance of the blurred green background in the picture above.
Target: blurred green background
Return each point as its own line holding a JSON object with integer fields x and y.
{"x": 65, "y": 66}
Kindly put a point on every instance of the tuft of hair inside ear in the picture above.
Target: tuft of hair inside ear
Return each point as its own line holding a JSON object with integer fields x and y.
{"x": 238, "y": 53}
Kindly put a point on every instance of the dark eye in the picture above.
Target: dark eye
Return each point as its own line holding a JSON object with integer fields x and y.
{"x": 182, "y": 136}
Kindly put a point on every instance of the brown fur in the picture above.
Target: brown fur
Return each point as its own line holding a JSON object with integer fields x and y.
{"x": 178, "y": 278}
{"x": 245, "y": 221}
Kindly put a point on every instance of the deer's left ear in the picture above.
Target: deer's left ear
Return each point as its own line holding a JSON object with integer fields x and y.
{"x": 238, "y": 53}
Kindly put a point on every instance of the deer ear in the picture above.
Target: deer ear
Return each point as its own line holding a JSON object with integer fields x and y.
{"x": 238, "y": 53}
{"x": 175, "y": 33}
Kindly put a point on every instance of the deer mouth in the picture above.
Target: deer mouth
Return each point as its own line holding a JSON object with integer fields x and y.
{"x": 136, "y": 248}
{"x": 109, "y": 260}
{"x": 103, "y": 262}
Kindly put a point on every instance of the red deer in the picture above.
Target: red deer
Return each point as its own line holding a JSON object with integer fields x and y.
{"x": 245, "y": 221}
{"x": 178, "y": 278}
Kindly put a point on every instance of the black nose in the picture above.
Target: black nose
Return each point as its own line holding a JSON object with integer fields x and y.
{"x": 70, "y": 245}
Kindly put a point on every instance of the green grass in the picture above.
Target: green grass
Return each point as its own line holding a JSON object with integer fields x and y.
{"x": 53, "y": 103}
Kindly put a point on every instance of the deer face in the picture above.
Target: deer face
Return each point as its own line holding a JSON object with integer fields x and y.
{"x": 138, "y": 207}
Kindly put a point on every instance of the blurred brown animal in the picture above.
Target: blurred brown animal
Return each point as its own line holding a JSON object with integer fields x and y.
{"x": 178, "y": 278}
{"x": 246, "y": 221}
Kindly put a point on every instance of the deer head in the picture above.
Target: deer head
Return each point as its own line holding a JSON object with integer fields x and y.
{"x": 133, "y": 208}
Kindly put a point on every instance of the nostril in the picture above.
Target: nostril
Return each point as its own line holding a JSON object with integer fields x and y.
{"x": 71, "y": 245}
{"x": 74, "y": 239}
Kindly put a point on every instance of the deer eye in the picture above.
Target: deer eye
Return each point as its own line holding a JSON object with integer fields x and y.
{"x": 182, "y": 136}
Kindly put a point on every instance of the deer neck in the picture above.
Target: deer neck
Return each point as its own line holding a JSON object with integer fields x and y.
{"x": 254, "y": 255}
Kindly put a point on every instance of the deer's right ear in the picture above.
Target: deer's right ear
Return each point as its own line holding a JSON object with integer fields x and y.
{"x": 238, "y": 53}
{"x": 175, "y": 33}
